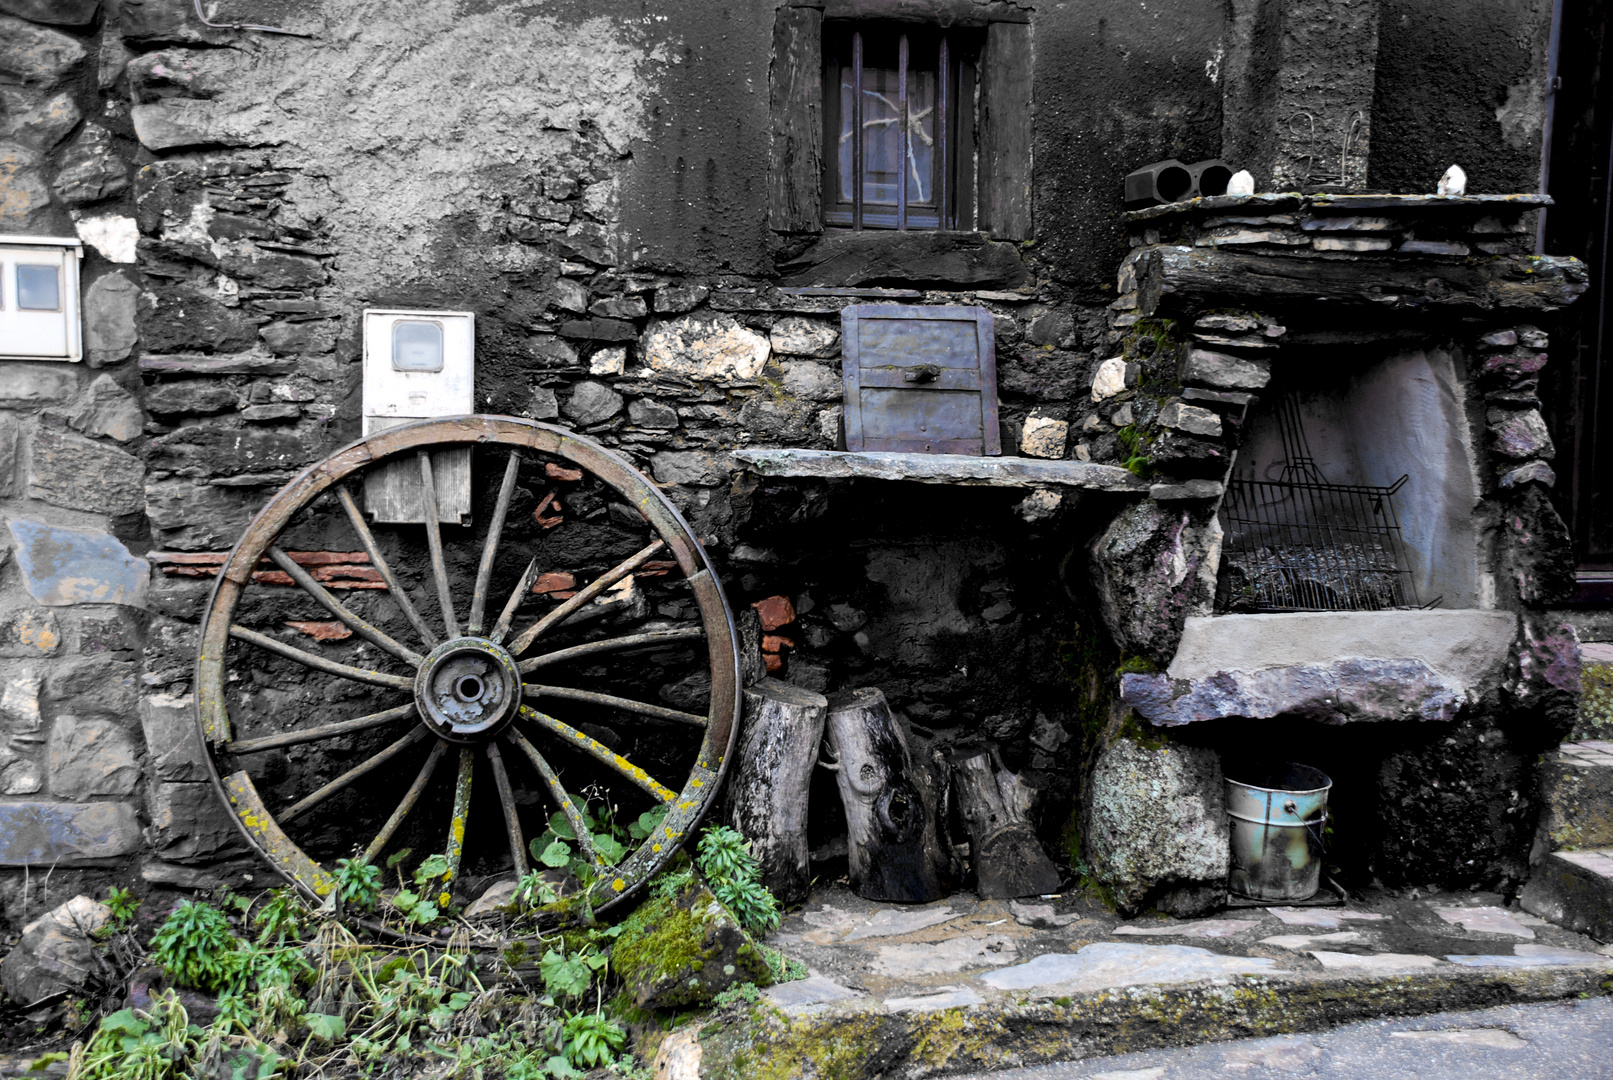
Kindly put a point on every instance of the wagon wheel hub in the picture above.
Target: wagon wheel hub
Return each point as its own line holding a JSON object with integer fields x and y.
{"x": 467, "y": 690}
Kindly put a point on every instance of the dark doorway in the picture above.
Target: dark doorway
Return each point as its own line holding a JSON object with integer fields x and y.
{"x": 1577, "y": 387}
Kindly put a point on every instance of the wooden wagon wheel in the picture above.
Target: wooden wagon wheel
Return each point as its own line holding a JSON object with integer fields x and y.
{"x": 469, "y": 676}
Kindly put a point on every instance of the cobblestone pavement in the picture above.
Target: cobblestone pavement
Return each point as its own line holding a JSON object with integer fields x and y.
{"x": 1569, "y": 1040}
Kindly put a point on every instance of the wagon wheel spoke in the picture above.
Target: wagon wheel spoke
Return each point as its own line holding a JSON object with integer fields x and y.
{"x": 601, "y": 753}
{"x": 324, "y": 731}
{"x": 319, "y": 663}
{"x": 584, "y": 595}
{"x": 609, "y": 645}
{"x": 457, "y": 822}
{"x": 579, "y": 828}
{"x": 356, "y": 518}
{"x": 352, "y": 619}
{"x": 611, "y": 701}
{"x": 307, "y": 803}
{"x": 501, "y": 629}
{"x": 410, "y": 797}
{"x": 439, "y": 566}
{"x": 495, "y": 530}
{"x": 506, "y": 799}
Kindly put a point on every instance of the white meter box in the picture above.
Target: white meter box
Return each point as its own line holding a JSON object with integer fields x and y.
{"x": 39, "y": 315}
{"x": 418, "y": 365}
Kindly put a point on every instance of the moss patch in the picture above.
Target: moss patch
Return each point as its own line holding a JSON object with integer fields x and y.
{"x": 1595, "y": 703}
{"x": 682, "y": 947}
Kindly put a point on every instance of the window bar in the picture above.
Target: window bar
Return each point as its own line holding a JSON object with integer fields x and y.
{"x": 903, "y": 135}
{"x": 943, "y": 99}
{"x": 856, "y": 129}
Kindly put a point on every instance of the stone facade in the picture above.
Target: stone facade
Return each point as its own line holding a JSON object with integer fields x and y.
{"x": 593, "y": 185}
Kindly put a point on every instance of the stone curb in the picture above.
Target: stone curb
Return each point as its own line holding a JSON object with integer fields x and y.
{"x": 856, "y": 1040}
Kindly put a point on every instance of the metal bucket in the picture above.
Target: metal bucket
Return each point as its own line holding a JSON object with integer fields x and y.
{"x": 1277, "y": 823}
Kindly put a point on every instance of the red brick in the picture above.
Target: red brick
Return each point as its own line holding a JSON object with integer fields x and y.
{"x": 773, "y": 662}
{"x": 322, "y": 631}
{"x": 554, "y": 581}
{"x": 557, "y": 472}
{"x": 776, "y": 611}
{"x": 775, "y": 642}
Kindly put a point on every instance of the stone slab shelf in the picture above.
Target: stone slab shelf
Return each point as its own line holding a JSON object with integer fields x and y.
{"x": 1332, "y": 666}
{"x": 942, "y": 469}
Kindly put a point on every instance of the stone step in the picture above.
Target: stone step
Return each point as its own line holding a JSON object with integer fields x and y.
{"x": 1574, "y": 889}
{"x": 1577, "y": 785}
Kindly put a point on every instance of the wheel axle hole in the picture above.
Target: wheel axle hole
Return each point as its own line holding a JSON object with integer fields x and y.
{"x": 469, "y": 688}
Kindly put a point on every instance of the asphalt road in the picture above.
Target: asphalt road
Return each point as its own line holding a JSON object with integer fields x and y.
{"x": 1568, "y": 1040}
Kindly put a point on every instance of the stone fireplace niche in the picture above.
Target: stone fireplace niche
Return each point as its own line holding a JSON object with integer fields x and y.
{"x": 1354, "y": 490}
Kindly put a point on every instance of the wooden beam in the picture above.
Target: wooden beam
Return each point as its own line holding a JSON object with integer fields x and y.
{"x": 796, "y": 176}
{"x": 1005, "y": 132}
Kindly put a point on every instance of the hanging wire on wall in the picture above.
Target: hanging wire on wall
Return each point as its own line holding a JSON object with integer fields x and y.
{"x": 245, "y": 26}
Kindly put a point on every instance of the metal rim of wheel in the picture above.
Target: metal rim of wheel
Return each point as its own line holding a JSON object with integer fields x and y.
{"x": 459, "y": 691}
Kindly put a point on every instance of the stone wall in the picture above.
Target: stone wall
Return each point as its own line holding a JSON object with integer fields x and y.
{"x": 590, "y": 179}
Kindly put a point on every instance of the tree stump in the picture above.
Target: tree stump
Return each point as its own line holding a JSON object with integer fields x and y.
{"x": 891, "y": 841}
{"x": 1008, "y": 860}
{"x": 767, "y": 791}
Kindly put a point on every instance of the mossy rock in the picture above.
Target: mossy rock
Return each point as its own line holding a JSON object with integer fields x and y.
{"x": 682, "y": 948}
{"x": 1595, "y": 703}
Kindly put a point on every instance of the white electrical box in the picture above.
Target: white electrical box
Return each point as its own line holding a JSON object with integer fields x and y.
{"x": 39, "y": 315}
{"x": 418, "y": 365}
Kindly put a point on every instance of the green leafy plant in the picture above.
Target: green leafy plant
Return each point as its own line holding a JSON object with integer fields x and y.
{"x": 132, "y": 1044}
{"x": 358, "y": 882}
{"x": 592, "y": 1041}
{"x": 196, "y": 946}
{"x": 282, "y": 916}
{"x": 731, "y": 870}
{"x": 123, "y": 904}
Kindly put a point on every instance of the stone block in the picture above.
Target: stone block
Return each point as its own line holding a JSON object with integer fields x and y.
{"x": 115, "y": 236}
{"x": 1519, "y": 435}
{"x": 95, "y": 686}
{"x": 775, "y": 421}
{"x": 689, "y": 467}
{"x": 1185, "y": 490}
{"x": 90, "y": 758}
{"x": 38, "y": 834}
{"x": 19, "y": 773}
{"x": 1352, "y": 243}
{"x": 599, "y": 329}
{"x": 795, "y": 336}
{"x": 190, "y": 516}
{"x": 185, "y": 319}
{"x": 91, "y": 169}
{"x": 1573, "y": 889}
{"x": 570, "y": 296}
{"x": 63, "y": 566}
{"x": 25, "y": 385}
{"x": 1155, "y": 827}
{"x": 1110, "y": 379}
{"x": 652, "y": 415}
{"x": 19, "y": 706}
{"x": 33, "y": 55}
{"x": 611, "y": 360}
{"x": 1224, "y": 372}
{"x": 1576, "y": 789}
{"x": 218, "y": 451}
{"x": 682, "y": 951}
{"x": 39, "y": 120}
{"x": 271, "y": 414}
{"x": 619, "y": 307}
{"x": 1154, "y": 563}
{"x": 544, "y": 406}
{"x": 1533, "y": 472}
{"x": 592, "y": 403}
{"x": 57, "y": 953}
{"x": 31, "y": 632}
{"x": 10, "y": 431}
{"x": 677, "y": 299}
{"x": 80, "y": 474}
{"x": 177, "y": 123}
{"x": 54, "y": 12}
{"x": 312, "y": 337}
{"x": 191, "y": 397}
{"x": 121, "y": 631}
{"x": 1056, "y": 328}
{"x": 24, "y": 198}
{"x": 706, "y": 348}
{"x": 190, "y": 822}
{"x": 812, "y": 381}
{"x": 105, "y": 409}
{"x": 1193, "y": 419}
{"x": 1044, "y": 437}
{"x": 267, "y": 268}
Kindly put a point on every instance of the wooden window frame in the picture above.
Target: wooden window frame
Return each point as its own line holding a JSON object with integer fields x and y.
{"x": 954, "y": 129}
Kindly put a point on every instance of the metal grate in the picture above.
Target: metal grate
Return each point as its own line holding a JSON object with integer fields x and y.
{"x": 1299, "y": 543}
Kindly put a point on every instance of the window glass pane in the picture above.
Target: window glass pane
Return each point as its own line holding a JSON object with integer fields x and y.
{"x": 921, "y": 138}
{"x": 883, "y": 167}
{"x": 882, "y": 144}
{"x": 416, "y": 345}
{"x": 39, "y": 288}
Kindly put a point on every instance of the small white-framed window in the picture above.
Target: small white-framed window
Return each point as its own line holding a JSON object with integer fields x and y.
{"x": 417, "y": 345}
{"x": 39, "y": 303}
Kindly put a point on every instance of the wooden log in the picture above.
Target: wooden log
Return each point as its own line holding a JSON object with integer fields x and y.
{"x": 1173, "y": 279}
{"x": 772, "y": 773}
{"x": 891, "y": 842}
{"x": 1008, "y": 860}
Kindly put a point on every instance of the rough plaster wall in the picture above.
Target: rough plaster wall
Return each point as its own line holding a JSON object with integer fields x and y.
{"x": 1117, "y": 86}
{"x": 399, "y": 116}
{"x": 1460, "y": 83}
